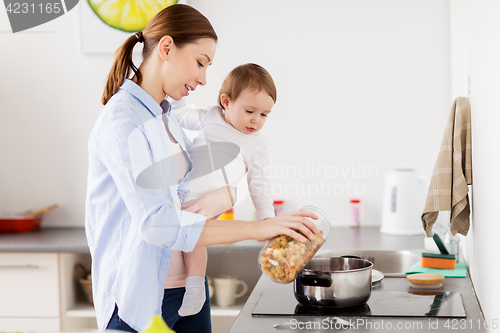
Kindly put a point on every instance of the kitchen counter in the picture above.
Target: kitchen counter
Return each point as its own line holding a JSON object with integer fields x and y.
{"x": 73, "y": 240}
{"x": 368, "y": 238}
{"x": 62, "y": 240}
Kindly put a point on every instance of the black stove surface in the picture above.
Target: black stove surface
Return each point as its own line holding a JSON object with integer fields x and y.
{"x": 381, "y": 304}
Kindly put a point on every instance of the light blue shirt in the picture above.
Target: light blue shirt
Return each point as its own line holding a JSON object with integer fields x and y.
{"x": 132, "y": 229}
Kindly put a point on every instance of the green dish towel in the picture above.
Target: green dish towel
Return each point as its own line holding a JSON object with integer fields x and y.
{"x": 460, "y": 270}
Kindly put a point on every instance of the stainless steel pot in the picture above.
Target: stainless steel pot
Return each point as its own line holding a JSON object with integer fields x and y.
{"x": 334, "y": 282}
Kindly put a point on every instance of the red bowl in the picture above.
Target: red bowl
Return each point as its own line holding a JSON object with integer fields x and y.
{"x": 20, "y": 223}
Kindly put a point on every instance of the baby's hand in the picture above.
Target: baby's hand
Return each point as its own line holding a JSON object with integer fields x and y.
{"x": 212, "y": 204}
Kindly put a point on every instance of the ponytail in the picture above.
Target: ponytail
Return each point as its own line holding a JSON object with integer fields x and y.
{"x": 122, "y": 66}
{"x": 181, "y": 22}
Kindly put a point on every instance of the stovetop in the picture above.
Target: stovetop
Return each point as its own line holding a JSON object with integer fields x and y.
{"x": 276, "y": 302}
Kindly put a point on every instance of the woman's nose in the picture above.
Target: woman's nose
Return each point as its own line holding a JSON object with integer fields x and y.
{"x": 202, "y": 79}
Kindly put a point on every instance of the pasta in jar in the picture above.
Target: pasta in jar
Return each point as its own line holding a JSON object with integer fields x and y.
{"x": 284, "y": 257}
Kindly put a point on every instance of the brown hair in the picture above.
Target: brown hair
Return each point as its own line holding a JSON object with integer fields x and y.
{"x": 181, "y": 22}
{"x": 247, "y": 76}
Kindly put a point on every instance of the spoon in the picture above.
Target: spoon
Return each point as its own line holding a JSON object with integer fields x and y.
{"x": 38, "y": 211}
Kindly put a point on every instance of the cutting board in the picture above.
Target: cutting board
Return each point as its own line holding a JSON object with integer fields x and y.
{"x": 460, "y": 270}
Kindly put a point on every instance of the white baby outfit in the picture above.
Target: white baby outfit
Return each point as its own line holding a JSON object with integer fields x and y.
{"x": 253, "y": 157}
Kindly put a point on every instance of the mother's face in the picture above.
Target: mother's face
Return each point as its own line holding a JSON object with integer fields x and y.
{"x": 185, "y": 68}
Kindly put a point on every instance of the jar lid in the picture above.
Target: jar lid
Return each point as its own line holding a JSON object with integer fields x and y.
{"x": 425, "y": 278}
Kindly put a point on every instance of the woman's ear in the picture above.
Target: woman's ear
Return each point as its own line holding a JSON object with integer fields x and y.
{"x": 224, "y": 100}
{"x": 165, "y": 46}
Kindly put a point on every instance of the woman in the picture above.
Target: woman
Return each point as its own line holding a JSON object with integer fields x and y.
{"x": 133, "y": 218}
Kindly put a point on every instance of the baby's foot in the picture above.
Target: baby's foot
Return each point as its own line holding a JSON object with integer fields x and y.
{"x": 194, "y": 297}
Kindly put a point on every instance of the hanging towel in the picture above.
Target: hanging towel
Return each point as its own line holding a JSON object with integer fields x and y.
{"x": 452, "y": 173}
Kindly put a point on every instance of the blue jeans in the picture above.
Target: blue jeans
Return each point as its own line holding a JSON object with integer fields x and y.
{"x": 199, "y": 323}
{"x": 116, "y": 323}
{"x": 172, "y": 300}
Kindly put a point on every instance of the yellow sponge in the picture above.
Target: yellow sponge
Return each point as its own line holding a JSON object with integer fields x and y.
{"x": 441, "y": 261}
{"x": 157, "y": 325}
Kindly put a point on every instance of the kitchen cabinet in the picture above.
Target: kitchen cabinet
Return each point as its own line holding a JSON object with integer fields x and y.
{"x": 39, "y": 291}
{"x": 29, "y": 292}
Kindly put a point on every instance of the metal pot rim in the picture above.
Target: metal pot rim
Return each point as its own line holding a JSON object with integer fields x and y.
{"x": 315, "y": 271}
{"x": 340, "y": 271}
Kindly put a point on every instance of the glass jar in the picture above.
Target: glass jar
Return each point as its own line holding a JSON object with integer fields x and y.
{"x": 283, "y": 257}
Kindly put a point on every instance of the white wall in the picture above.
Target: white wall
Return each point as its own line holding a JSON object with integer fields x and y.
{"x": 476, "y": 52}
{"x": 363, "y": 87}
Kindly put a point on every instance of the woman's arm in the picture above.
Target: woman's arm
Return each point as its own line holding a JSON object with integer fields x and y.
{"x": 225, "y": 231}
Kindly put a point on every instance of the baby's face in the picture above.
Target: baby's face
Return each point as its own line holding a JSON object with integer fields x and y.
{"x": 248, "y": 113}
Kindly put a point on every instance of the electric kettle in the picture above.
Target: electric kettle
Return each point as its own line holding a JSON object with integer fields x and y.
{"x": 403, "y": 202}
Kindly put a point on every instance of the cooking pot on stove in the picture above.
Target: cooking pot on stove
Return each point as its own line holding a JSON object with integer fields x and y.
{"x": 336, "y": 282}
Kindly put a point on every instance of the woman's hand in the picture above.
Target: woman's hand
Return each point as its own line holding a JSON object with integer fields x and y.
{"x": 295, "y": 225}
{"x": 287, "y": 224}
{"x": 212, "y": 204}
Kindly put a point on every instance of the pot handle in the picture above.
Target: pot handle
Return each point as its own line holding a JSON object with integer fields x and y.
{"x": 316, "y": 279}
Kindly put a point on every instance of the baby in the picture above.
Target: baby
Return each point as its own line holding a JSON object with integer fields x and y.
{"x": 245, "y": 101}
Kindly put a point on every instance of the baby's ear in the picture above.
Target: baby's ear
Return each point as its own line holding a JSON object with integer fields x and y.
{"x": 224, "y": 100}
